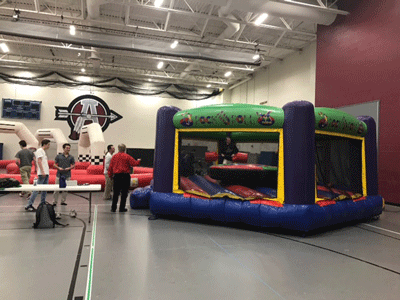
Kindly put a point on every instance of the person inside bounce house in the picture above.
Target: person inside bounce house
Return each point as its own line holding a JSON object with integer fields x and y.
{"x": 227, "y": 149}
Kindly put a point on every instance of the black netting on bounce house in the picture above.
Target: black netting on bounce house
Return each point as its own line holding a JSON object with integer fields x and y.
{"x": 244, "y": 181}
{"x": 114, "y": 83}
{"x": 339, "y": 166}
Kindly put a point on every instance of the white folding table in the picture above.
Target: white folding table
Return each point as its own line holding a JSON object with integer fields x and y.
{"x": 55, "y": 187}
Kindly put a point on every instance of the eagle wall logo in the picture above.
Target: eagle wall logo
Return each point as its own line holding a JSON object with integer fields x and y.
{"x": 84, "y": 110}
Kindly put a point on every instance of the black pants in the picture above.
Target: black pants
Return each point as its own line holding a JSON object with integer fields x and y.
{"x": 122, "y": 182}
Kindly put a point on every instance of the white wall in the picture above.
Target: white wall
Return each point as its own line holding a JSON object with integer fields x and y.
{"x": 136, "y": 129}
{"x": 281, "y": 82}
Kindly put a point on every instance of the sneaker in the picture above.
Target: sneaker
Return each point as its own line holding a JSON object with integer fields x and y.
{"x": 30, "y": 208}
{"x": 63, "y": 203}
{"x": 123, "y": 210}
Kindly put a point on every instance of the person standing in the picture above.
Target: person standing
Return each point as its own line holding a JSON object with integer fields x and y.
{"x": 24, "y": 158}
{"x": 227, "y": 150}
{"x": 42, "y": 166}
{"x": 119, "y": 170}
{"x": 109, "y": 181}
{"x": 64, "y": 163}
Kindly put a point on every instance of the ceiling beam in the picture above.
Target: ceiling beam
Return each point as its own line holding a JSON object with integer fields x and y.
{"x": 211, "y": 17}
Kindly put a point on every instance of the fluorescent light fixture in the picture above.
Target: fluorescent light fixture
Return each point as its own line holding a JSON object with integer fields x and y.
{"x": 72, "y": 30}
{"x": 158, "y": 3}
{"x": 4, "y": 47}
{"x": 25, "y": 74}
{"x": 84, "y": 79}
{"x": 83, "y": 70}
{"x": 256, "y": 56}
{"x": 160, "y": 65}
{"x": 208, "y": 85}
{"x": 261, "y": 19}
{"x": 227, "y": 74}
{"x": 174, "y": 44}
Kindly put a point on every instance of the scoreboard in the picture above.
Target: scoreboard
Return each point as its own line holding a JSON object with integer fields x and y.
{"x": 21, "y": 109}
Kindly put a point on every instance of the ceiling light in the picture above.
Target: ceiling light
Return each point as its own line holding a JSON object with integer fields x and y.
{"x": 83, "y": 70}
{"x": 4, "y": 47}
{"x": 227, "y": 74}
{"x": 160, "y": 65}
{"x": 84, "y": 79}
{"x": 174, "y": 44}
{"x": 208, "y": 85}
{"x": 26, "y": 74}
{"x": 256, "y": 55}
{"x": 16, "y": 15}
{"x": 79, "y": 54}
{"x": 261, "y": 19}
{"x": 72, "y": 30}
{"x": 158, "y": 3}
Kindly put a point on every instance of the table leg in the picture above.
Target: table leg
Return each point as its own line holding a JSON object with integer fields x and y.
{"x": 90, "y": 205}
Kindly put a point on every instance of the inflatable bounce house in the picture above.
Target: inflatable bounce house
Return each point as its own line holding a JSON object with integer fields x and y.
{"x": 325, "y": 172}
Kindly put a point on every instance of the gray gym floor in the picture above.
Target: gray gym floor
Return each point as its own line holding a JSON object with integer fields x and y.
{"x": 138, "y": 258}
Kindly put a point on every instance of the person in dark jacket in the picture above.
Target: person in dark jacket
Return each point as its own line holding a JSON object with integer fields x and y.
{"x": 227, "y": 150}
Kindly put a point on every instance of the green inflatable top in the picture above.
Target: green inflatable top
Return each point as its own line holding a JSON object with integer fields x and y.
{"x": 334, "y": 120}
{"x": 230, "y": 116}
{"x": 238, "y": 115}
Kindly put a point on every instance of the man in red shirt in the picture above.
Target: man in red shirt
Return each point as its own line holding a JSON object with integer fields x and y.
{"x": 119, "y": 170}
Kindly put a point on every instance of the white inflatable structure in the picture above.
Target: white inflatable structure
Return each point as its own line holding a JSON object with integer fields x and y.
{"x": 91, "y": 144}
{"x": 52, "y": 133}
{"x": 21, "y": 131}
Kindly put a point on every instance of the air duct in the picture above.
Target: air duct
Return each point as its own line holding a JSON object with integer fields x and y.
{"x": 93, "y": 9}
{"x": 232, "y": 28}
{"x": 305, "y": 10}
{"x": 225, "y": 12}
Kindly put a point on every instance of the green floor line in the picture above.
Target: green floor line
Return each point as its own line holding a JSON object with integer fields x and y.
{"x": 91, "y": 258}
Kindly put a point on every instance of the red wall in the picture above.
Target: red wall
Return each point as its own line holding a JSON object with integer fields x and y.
{"x": 358, "y": 60}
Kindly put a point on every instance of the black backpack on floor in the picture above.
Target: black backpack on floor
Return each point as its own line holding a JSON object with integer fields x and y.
{"x": 46, "y": 216}
{"x": 8, "y": 182}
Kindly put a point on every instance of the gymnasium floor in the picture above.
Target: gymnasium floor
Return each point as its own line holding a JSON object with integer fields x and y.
{"x": 138, "y": 258}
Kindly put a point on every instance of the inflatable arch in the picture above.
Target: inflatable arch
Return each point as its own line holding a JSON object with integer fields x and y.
{"x": 52, "y": 133}
{"x": 91, "y": 144}
{"x": 21, "y": 131}
{"x": 326, "y": 173}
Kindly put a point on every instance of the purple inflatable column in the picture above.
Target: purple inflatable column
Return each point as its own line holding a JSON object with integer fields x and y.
{"x": 164, "y": 150}
{"x": 371, "y": 155}
{"x": 299, "y": 152}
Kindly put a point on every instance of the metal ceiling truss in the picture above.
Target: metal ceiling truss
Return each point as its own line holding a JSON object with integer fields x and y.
{"x": 200, "y": 25}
